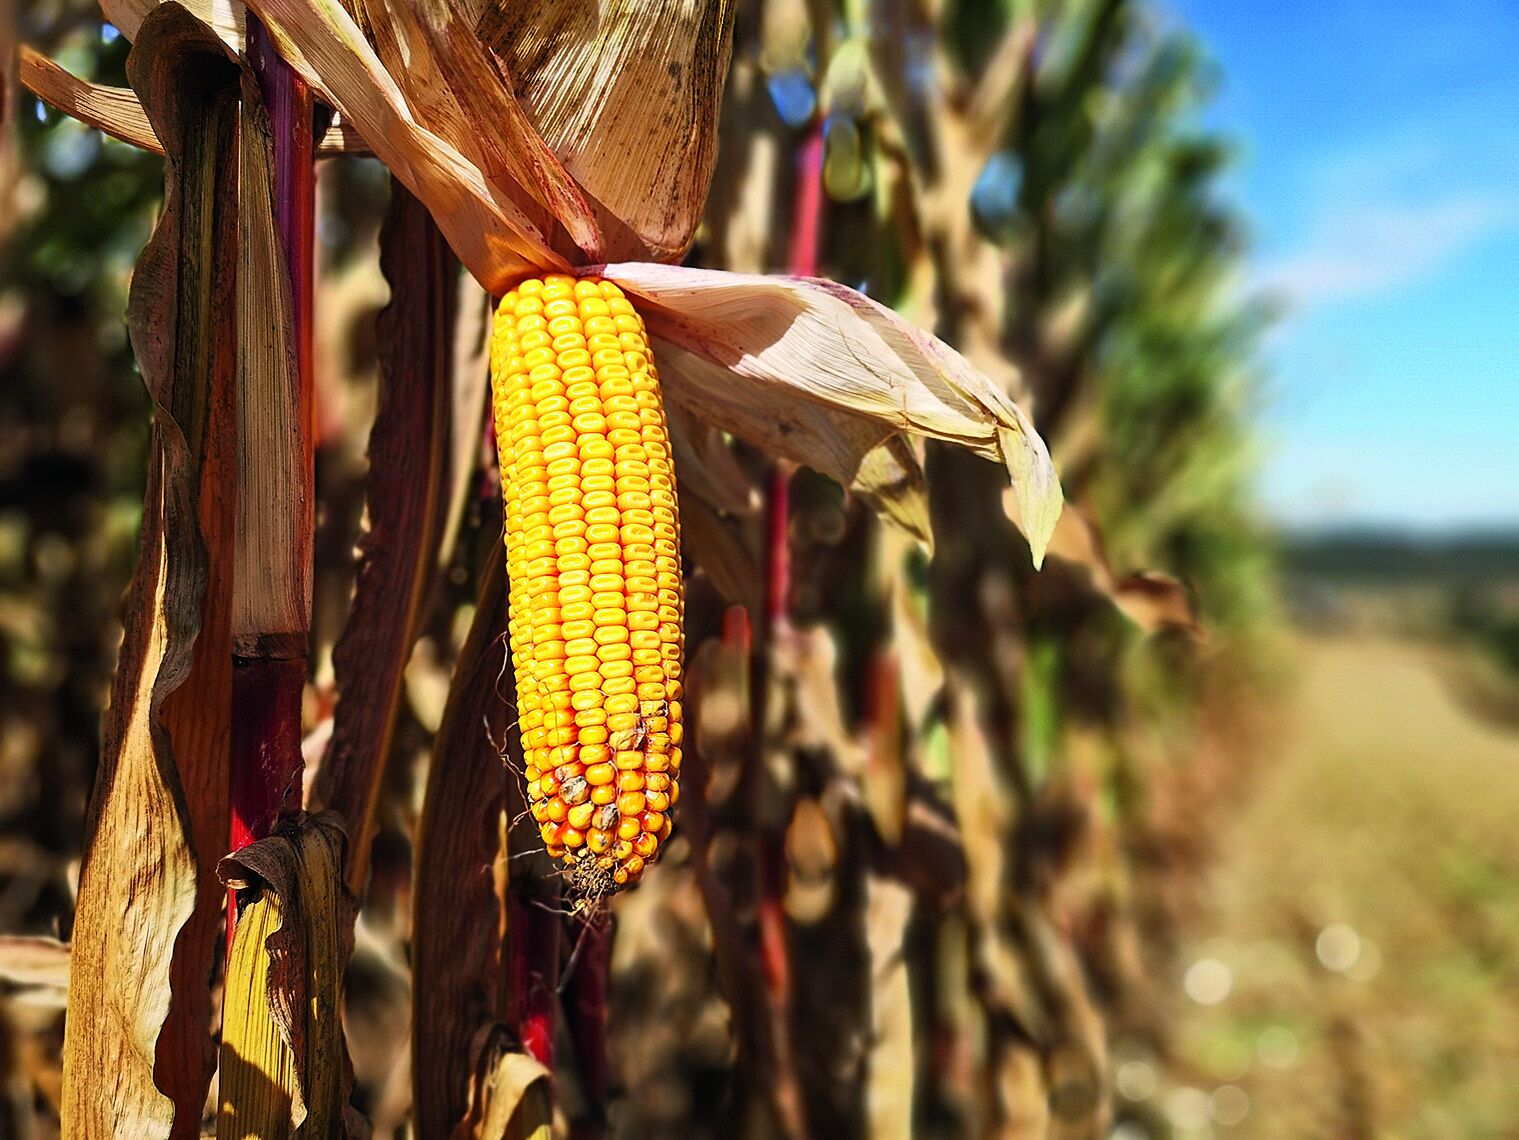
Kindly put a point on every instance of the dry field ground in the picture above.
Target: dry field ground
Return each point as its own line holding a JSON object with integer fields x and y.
{"x": 1358, "y": 971}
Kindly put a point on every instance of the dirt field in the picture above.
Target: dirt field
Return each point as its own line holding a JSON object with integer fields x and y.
{"x": 1359, "y": 974}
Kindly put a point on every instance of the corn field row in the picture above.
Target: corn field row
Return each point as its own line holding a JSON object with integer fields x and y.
{"x": 605, "y": 649}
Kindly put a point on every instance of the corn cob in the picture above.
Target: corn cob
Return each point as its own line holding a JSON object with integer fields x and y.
{"x": 593, "y": 559}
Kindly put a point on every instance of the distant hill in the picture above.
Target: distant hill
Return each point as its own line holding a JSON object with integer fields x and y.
{"x": 1390, "y": 556}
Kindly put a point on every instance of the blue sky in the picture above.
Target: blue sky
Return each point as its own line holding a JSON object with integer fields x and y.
{"x": 1380, "y": 175}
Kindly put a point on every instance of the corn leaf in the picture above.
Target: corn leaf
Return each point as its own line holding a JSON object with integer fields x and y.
{"x": 1149, "y": 599}
{"x": 891, "y": 481}
{"x": 224, "y": 17}
{"x": 456, "y": 918}
{"x": 258, "y": 1082}
{"x": 284, "y": 1064}
{"x": 274, "y": 510}
{"x": 117, "y": 111}
{"x": 815, "y": 372}
{"x": 36, "y": 964}
{"x": 489, "y": 231}
{"x": 716, "y": 496}
{"x": 983, "y": 814}
{"x": 146, "y": 922}
{"x": 410, "y": 461}
{"x": 114, "y": 110}
{"x": 458, "y": 90}
{"x": 627, "y": 94}
{"x": 918, "y": 665}
{"x": 510, "y": 1097}
{"x": 471, "y": 361}
{"x": 719, "y": 550}
{"x": 889, "y": 1064}
{"x": 708, "y": 467}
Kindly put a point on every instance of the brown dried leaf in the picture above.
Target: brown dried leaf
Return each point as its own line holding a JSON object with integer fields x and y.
{"x": 489, "y": 231}
{"x": 496, "y": 133}
{"x": 820, "y": 436}
{"x": 410, "y": 458}
{"x": 707, "y": 466}
{"x": 922, "y": 673}
{"x": 884, "y": 784}
{"x": 984, "y": 815}
{"x": 889, "y": 1064}
{"x": 258, "y": 1084}
{"x": 117, "y": 112}
{"x": 272, "y": 591}
{"x": 114, "y": 110}
{"x": 41, "y": 962}
{"x": 510, "y": 1094}
{"x": 627, "y": 93}
{"x": 455, "y": 918}
{"x": 1014, "y": 1068}
{"x": 891, "y": 482}
{"x": 453, "y": 87}
{"x": 1150, "y": 600}
{"x": 720, "y": 551}
{"x": 139, "y": 932}
{"x": 820, "y": 374}
{"x": 284, "y": 1063}
{"x": 471, "y": 372}
{"x": 224, "y": 17}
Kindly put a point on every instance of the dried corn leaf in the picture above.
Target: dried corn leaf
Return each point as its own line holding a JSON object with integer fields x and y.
{"x": 627, "y": 94}
{"x": 918, "y": 664}
{"x": 830, "y": 376}
{"x": 198, "y": 715}
{"x": 224, "y": 17}
{"x": 459, "y": 91}
{"x": 410, "y": 457}
{"x": 708, "y": 468}
{"x": 891, "y": 482}
{"x": 885, "y": 779}
{"x": 258, "y": 1083}
{"x": 984, "y": 817}
{"x": 510, "y": 1095}
{"x": 455, "y": 920}
{"x": 1013, "y": 1079}
{"x": 889, "y": 1064}
{"x": 145, "y": 925}
{"x": 470, "y": 369}
{"x": 34, "y": 962}
{"x": 116, "y": 110}
{"x": 491, "y": 233}
{"x": 272, "y": 594}
{"x": 284, "y": 1064}
{"x": 1149, "y": 599}
{"x": 718, "y": 548}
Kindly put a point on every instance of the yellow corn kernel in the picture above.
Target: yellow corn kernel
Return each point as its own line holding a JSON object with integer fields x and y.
{"x": 595, "y": 602}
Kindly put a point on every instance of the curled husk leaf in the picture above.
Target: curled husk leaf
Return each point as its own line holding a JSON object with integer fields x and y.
{"x": 818, "y": 373}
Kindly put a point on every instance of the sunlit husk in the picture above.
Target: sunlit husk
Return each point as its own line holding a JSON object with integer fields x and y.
{"x": 588, "y": 78}
{"x": 284, "y": 1067}
{"x": 823, "y": 375}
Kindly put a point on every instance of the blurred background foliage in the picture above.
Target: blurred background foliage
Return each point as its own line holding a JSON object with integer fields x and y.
{"x": 1031, "y": 179}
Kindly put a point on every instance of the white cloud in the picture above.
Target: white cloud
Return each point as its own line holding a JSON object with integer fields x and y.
{"x": 1368, "y": 248}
